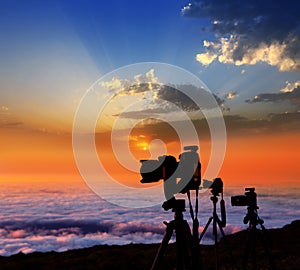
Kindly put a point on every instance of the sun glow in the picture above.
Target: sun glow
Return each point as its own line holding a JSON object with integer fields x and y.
{"x": 142, "y": 145}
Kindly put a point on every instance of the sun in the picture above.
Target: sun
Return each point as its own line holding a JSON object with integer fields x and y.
{"x": 142, "y": 145}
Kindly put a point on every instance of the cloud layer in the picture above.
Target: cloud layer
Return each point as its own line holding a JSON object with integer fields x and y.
{"x": 289, "y": 93}
{"x": 250, "y": 32}
{"x": 60, "y": 217}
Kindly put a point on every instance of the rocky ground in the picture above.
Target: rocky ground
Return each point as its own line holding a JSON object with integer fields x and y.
{"x": 284, "y": 243}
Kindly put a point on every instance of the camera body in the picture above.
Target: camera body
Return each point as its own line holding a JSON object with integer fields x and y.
{"x": 216, "y": 186}
{"x": 249, "y": 199}
{"x": 186, "y": 171}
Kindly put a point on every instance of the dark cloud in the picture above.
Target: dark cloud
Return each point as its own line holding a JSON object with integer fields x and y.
{"x": 165, "y": 92}
{"x": 285, "y": 122}
{"x": 285, "y": 119}
{"x": 235, "y": 125}
{"x": 142, "y": 114}
{"x": 172, "y": 94}
{"x": 140, "y": 88}
{"x": 251, "y": 31}
{"x": 293, "y": 97}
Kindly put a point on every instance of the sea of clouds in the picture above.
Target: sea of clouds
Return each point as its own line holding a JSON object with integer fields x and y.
{"x": 45, "y": 217}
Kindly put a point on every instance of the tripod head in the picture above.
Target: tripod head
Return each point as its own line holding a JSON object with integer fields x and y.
{"x": 252, "y": 217}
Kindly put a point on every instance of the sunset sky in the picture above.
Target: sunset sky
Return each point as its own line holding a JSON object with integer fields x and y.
{"x": 247, "y": 54}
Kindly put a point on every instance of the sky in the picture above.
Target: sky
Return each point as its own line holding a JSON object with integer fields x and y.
{"x": 248, "y": 55}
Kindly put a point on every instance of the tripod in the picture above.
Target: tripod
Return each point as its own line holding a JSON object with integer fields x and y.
{"x": 216, "y": 221}
{"x": 253, "y": 219}
{"x": 183, "y": 240}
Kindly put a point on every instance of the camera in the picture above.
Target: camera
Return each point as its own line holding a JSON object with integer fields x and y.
{"x": 249, "y": 199}
{"x": 216, "y": 186}
{"x": 184, "y": 175}
{"x": 174, "y": 204}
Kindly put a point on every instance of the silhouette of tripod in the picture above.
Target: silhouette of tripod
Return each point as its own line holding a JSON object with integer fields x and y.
{"x": 253, "y": 219}
{"x": 216, "y": 221}
{"x": 183, "y": 239}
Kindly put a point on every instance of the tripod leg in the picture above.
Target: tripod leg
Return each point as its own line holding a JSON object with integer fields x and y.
{"x": 227, "y": 244}
{"x": 163, "y": 245}
{"x": 196, "y": 262}
{"x": 183, "y": 243}
{"x": 264, "y": 243}
{"x": 247, "y": 250}
{"x": 215, "y": 233}
{"x": 205, "y": 228}
{"x": 253, "y": 248}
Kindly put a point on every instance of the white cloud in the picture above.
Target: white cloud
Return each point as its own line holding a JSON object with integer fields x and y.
{"x": 148, "y": 77}
{"x": 290, "y": 87}
{"x": 231, "y": 95}
{"x": 235, "y": 50}
{"x": 254, "y": 32}
{"x": 115, "y": 84}
{"x": 211, "y": 53}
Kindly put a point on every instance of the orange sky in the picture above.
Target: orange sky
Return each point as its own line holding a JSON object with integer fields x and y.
{"x": 262, "y": 158}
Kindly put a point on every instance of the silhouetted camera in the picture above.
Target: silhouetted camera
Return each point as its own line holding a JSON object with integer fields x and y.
{"x": 249, "y": 199}
{"x": 167, "y": 168}
{"x": 216, "y": 186}
{"x": 174, "y": 204}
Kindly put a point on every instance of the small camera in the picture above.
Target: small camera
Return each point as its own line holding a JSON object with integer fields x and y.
{"x": 216, "y": 186}
{"x": 249, "y": 199}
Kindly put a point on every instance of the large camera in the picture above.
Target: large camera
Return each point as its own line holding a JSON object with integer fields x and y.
{"x": 179, "y": 176}
{"x": 249, "y": 199}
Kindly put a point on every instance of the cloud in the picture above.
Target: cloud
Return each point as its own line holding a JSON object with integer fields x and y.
{"x": 60, "y": 217}
{"x": 235, "y": 125}
{"x": 290, "y": 87}
{"x": 231, "y": 95}
{"x": 284, "y": 119}
{"x": 169, "y": 99}
{"x": 251, "y": 32}
{"x": 142, "y": 114}
{"x": 140, "y": 83}
{"x": 7, "y": 119}
{"x": 288, "y": 121}
{"x": 289, "y": 93}
{"x": 7, "y": 123}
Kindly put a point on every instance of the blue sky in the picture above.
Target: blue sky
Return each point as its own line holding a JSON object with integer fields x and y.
{"x": 52, "y": 51}
{"x": 59, "y": 48}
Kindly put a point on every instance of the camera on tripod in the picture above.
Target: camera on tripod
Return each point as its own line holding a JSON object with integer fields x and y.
{"x": 249, "y": 199}
{"x": 181, "y": 176}
{"x": 215, "y": 186}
